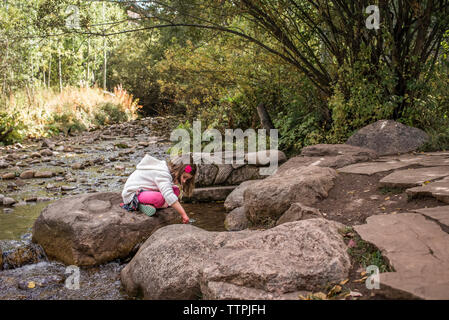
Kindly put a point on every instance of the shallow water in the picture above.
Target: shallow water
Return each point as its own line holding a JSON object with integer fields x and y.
{"x": 100, "y": 282}
{"x": 19, "y": 222}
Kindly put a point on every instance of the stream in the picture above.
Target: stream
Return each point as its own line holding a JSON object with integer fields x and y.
{"x": 96, "y": 161}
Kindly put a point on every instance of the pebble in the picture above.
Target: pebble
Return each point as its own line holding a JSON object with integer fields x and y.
{"x": 46, "y": 153}
{"x": 42, "y": 199}
{"x": 3, "y": 164}
{"x": 43, "y": 174}
{"x": 22, "y": 164}
{"x": 20, "y": 203}
{"x": 77, "y": 166}
{"x": 68, "y": 188}
{"x": 7, "y": 201}
{"x": 9, "y": 175}
{"x": 27, "y": 174}
{"x": 8, "y": 210}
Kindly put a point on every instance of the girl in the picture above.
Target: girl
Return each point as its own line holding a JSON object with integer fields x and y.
{"x": 151, "y": 186}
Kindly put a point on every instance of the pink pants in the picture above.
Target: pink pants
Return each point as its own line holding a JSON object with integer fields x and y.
{"x": 155, "y": 198}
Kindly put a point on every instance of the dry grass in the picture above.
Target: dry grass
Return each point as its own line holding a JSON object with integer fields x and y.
{"x": 42, "y": 112}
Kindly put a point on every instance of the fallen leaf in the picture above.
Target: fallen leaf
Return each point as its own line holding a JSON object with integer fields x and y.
{"x": 363, "y": 273}
{"x": 31, "y": 285}
{"x": 387, "y": 198}
{"x": 361, "y": 280}
{"x": 336, "y": 289}
{"x": 319, "y": 295}
{"x": 344, "y": 282}
{"x": 352, "y": 244}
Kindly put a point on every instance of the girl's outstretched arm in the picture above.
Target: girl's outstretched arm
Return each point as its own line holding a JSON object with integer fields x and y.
{"x": 177, "y": 206}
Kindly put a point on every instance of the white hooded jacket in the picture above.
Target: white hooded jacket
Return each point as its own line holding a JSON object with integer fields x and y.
{"x": 150, "y": 174}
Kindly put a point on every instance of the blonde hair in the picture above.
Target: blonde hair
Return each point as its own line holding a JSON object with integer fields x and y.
{"x": 177, "y": 168}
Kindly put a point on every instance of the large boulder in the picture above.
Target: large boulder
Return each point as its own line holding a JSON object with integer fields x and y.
{"x": 185, "y": 262}
{"x": 93, "y": 229}
{"x": 236, "y": 220}
{"x": 168, "y": 264}
{"x": 235, "y": 198}
{"x": 298, "y": 211}
{"x": 268, "y": 199}
{"x": 388, "y": 137}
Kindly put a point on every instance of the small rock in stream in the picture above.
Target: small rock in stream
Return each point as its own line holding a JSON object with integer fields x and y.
{"x": 29, "y": 174}
{"x": 9, "y": 175}
{"x": 43, "y": 174}
{"x": 7, "y": 201}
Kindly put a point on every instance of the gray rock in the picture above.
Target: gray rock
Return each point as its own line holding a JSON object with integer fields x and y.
{"x": 224, "y": 170}
{"x": 205, "y": 175}
{"x": 186, "y": 262}
{"x": 43, "y": 174}
{"x": 269, "y": 198}
{"x": 8, "y": 176}
{"x": 46, "y": 153}
{"x": 236, "y": 220}
{"x": 298, "y": 211}
{"x": 210, "y": 194}
{"x": 388, "y": 137}
{"x": 247, "y": 172}
{"x": 92, "y": 229}
{"x": 262, "y": 158}
{"x": 235, "y": 198}
{"x": 27, "y": 174}
{"x": 7, "y": 201}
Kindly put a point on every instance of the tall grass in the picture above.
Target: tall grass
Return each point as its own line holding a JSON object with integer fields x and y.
{"x": 45, "y": 112}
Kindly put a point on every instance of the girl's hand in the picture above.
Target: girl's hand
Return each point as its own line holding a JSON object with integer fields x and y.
{"x": 185, "y": 219}
{"x": 177, "y": 206}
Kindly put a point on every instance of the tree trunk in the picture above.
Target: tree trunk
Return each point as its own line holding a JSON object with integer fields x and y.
{"x": 104, "y": 53}
{"x": 59, "y": 69}
{"x": 265, "y": 119}
{"x": 49, "y": 73}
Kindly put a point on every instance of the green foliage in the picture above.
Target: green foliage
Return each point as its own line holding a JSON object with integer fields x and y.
{"x": 365, "y": 253}
{"x": 11, "y": 128}
{"x": 110, "y": 113}
{"x": 360, "y": 97}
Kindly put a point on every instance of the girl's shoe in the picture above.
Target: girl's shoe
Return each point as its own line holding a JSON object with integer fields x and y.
{"x": 149, "y": 210}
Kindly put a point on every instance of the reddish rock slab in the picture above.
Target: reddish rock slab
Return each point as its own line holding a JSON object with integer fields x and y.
{"x": 441, "y": 214}
{"x": 370, "y": 168}
{"x": 438, "y": 190}
{"x": 329, "y": 155}
{"x": 417, "y": 249}
{"x": 413, "y": 177}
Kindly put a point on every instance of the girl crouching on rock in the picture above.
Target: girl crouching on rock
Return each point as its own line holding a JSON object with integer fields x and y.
{"x": 154, "y": 183}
